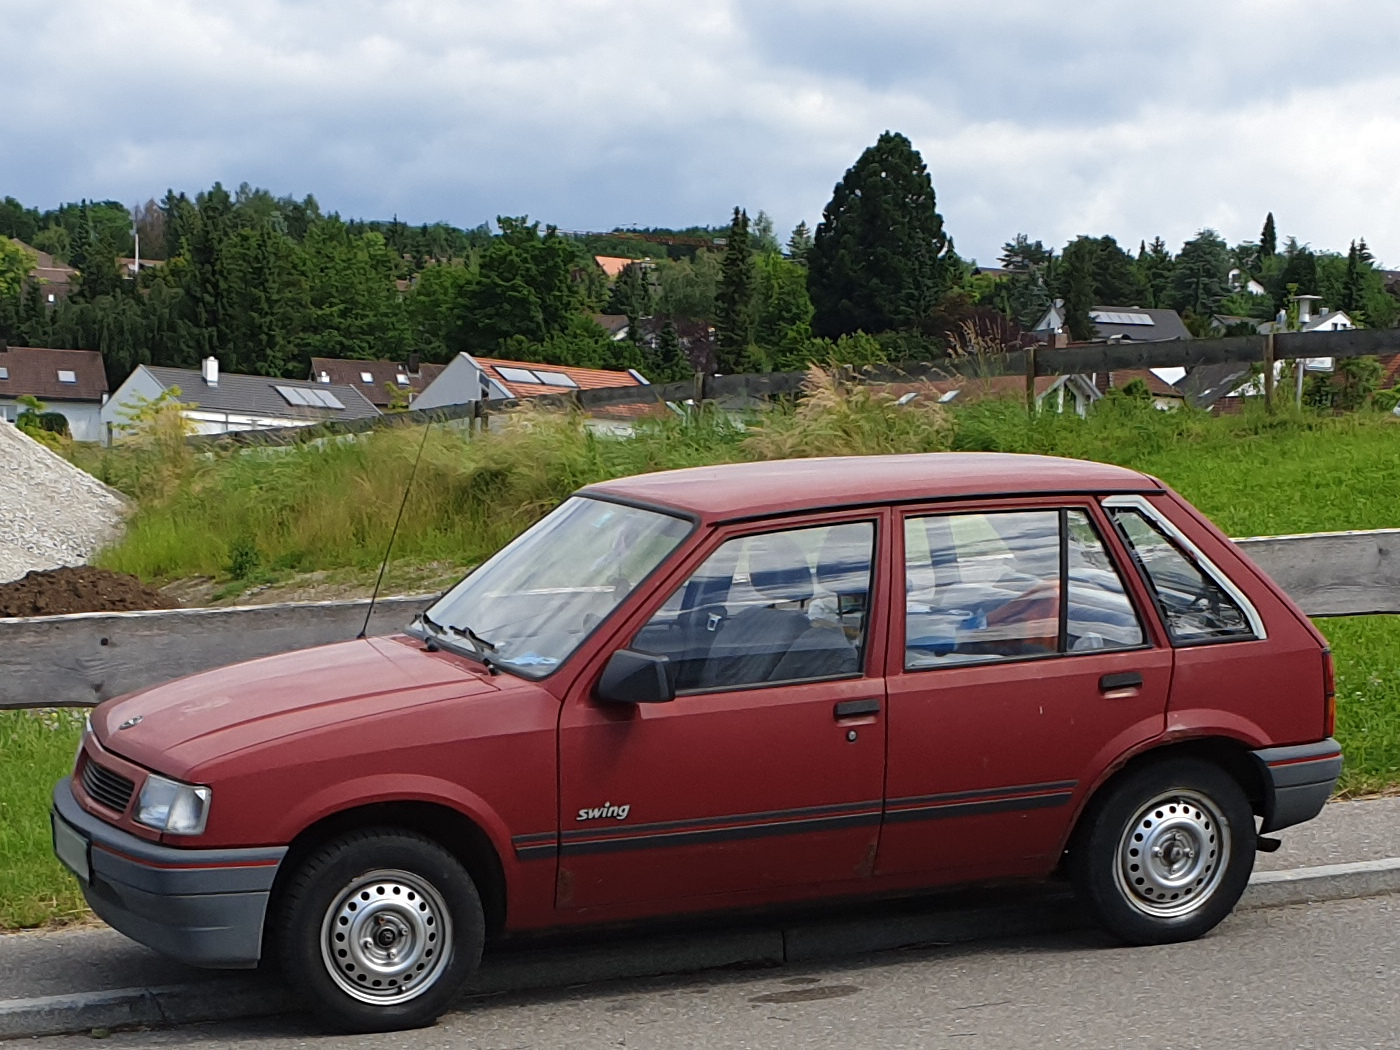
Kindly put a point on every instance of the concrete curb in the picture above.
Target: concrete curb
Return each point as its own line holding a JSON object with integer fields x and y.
{"x": 230, "y": 998}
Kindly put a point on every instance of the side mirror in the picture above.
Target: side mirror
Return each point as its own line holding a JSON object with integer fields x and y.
{"x": 636, "y": 678}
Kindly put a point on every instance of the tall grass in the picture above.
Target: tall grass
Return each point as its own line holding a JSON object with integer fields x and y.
{"x": 36, "y": 749}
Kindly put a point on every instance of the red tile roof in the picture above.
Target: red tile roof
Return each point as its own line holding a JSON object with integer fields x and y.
{"x": 612, "y": 265}
{"x": 584, "y": 379}
{"x": 35, "y": 370}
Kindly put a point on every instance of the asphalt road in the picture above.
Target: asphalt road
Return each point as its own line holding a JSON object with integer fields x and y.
{"x": 1325, "y": 975}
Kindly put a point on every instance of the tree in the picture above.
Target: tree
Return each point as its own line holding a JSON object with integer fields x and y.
{"x": 1155, "y": 268}
{"x": 734, "y": 297}
{"x": 1299, "y": 272}
{"x": 800, "y": 243}
{"x": 1027, "y": 291}
{"x": 667, "y": 361}
{"x": 15, "y": 266}
{"x": 879, "y": 258}
{"x": 762, "y": 237}
{"x": 687, "y": 287}
{"x": 1077, "y": 275}
{"x": 1268, "y": 238}
{"x": 1112, "y": 277}
{"x": 782, "y": 309}
{"x": 632, "y": 292}
{"x": 1201, "y": 277}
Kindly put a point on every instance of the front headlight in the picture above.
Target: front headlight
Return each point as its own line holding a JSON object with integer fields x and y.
{"x": 172, "y": 807}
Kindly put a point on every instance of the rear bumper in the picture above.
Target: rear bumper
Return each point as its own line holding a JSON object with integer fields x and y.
{"x": 1298, "y": 781}
{"x": 203, "y": 907}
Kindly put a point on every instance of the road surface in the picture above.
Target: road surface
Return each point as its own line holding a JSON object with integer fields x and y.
{"x": 1324, "y": 975}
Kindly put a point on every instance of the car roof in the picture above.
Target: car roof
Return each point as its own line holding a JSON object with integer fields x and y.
{"x": 744, "y": 490}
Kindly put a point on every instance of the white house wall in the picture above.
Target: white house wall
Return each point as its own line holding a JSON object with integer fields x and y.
{"x": 140, "y": 384}
{"x": 457, "y": 384}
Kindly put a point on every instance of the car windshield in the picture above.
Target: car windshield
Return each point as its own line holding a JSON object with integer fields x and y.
{"x": 532, "y": 604}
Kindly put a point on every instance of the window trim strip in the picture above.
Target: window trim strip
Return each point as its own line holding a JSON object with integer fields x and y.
{"x": 1152, "y": 513}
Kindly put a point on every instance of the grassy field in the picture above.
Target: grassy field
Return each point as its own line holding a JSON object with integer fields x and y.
{"x": 37, "y": 749}
{"x": 259, "y": 517}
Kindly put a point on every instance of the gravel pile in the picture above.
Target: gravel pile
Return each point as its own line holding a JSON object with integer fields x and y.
{"x": 51, "y": 513}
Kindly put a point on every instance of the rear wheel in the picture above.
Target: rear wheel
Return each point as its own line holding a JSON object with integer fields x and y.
{"x": 380, "y": 929}
{"x": 1165, "y": 853}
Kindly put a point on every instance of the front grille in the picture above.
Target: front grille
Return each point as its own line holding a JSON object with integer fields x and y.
{"x": 110, "y": 789}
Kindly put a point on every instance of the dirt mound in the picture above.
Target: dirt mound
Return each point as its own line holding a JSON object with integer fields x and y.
{"x": 81, "y": 589}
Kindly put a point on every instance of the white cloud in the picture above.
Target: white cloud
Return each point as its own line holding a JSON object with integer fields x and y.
{"x": 1052, "y": 119}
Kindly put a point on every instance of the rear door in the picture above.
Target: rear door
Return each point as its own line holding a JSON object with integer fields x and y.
{"x": 1020, "y": 665}
{"x": 767, "y": 769}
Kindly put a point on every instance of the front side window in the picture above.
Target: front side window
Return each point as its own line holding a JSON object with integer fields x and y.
{"x": 1194, "y": 605}
{"x": 988, "y": 587}
{"x": 538, "y": 598}
{"x": 776, "y": 607}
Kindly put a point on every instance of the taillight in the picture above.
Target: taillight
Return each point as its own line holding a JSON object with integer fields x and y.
{"x": 1329, "y": 694}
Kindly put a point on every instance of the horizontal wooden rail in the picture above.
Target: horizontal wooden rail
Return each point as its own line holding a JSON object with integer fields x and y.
{"x": 82, "y": 659}
{"x": 1098, "y": 357}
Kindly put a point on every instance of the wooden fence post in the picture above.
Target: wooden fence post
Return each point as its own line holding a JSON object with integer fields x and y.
{"x": 1269, "y": 373}
{"x": 1030, "y": 381}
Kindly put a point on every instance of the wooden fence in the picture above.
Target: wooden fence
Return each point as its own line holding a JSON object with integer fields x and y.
{"x": 1085, "y": 359}
{"x": 82, "y": 659}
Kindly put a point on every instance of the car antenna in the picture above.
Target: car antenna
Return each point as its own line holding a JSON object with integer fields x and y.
{"x": 364, "y": 629}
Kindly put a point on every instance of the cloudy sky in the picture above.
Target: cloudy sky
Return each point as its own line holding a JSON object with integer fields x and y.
{"x": 1052, "y": 117}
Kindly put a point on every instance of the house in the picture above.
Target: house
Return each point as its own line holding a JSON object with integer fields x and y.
{"x": 72, "y": 382}
{"x": 1118, "y": 324}
{"x": 383, "y": 383}
{"x": 216, "y": 403}
{"x": 614, "y": 324}
{"x": 613, "y": 265}
{"x": 1160, "y": 383}
{"x": 469, "y": 378}
{"x": 55, "y": 279}
{"x": 1311, "y": 318}
{"x": 1240, "y": 281}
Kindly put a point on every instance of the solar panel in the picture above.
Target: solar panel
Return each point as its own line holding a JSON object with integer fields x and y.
{"x": 554, "y": 378}
{"x": 1120, "y": 317}
{"x": 308, "y": 397}
{"x": 518, "y": 375}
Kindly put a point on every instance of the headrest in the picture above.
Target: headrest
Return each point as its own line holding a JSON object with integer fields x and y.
{"x": 778, "y": 569}
{"x": 843, "y": 565}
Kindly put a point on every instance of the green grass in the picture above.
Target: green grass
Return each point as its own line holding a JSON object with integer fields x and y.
{"x": 36, "y": 749}
{"x": 1367, "y": 653}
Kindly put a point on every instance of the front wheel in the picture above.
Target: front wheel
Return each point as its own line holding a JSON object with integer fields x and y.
{"x": 1166, "y": 852}
{"x": 380, "y": 929}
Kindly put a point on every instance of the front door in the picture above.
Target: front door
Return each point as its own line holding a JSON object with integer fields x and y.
{"x": 767, "y": 769}
{"x": 1024, "y": 669}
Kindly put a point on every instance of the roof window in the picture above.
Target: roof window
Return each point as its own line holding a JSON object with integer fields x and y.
{"x": 67, "y": 375}
{"x": 367, "y": 377}
{"x": 402, "y": 379}
{"x": 308, "y": 397}
{"x": 324, "y": 377}
{"x": 4, "y": 373}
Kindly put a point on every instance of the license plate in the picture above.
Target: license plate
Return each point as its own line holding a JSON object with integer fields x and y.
{"x": 72, "y": 849}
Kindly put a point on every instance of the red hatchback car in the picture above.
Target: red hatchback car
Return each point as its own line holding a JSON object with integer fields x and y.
{"x": 722, "y": 687}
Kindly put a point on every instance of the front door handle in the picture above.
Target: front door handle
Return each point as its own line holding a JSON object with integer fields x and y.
{"x": 855, "y": 708}
{"x": 1123, "y": 680}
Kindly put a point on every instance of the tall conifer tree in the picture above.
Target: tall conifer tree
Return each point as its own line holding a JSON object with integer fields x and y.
{"x": 734, "y": 297}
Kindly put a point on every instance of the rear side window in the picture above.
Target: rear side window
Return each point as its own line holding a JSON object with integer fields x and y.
{"x": 1007, "y": 586}
{"x": 1194, "y": 605}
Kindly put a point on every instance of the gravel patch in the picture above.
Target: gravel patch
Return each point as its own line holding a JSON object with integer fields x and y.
{"x": 51, "y": 513}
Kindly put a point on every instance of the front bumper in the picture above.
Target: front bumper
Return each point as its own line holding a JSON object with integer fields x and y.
{"x": 1298, "y": 781}
{"x": 203, "y": 907}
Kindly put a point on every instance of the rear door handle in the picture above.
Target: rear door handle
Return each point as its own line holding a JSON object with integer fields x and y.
{"x": 855, "y": 708}
{"x": 1123, "y": 680}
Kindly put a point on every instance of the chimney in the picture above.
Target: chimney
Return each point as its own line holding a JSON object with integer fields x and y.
{"x": 413, "y": 364}
{"x": 209, "y": 368}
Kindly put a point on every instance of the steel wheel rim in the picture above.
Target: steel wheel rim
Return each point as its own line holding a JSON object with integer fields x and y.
{"x": 386, "y": 937}
{"x": 1173, "y": 854}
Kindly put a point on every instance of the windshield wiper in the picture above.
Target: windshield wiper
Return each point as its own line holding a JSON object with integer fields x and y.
{"x": 437, "y": 636}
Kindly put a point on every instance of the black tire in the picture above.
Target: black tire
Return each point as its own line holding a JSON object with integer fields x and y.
{"x": 405, "y": 896}
{"x": 1164, "y": 852}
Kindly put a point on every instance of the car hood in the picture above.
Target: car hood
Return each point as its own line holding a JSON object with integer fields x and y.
{"x": 185, "y": 723}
